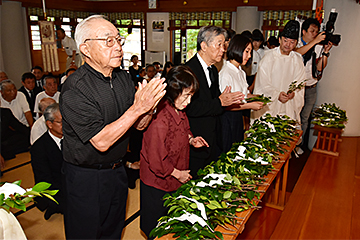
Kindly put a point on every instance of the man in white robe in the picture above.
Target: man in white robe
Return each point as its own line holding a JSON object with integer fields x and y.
{"x": 277, "y": 70}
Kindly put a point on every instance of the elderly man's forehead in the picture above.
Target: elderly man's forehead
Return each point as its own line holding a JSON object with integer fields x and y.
{"x": 51, "y": 79}
{"x": 102, "y": 27}
{"x": 211, "y": 35}
{"x": 8, "y": 85}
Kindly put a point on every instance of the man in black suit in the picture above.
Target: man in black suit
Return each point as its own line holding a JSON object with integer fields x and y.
{"x": 14, "y": 135}
{"x": 39, "y": 76}
{"x": 30, "y": 89}
{"x": 47, "y": 159}
{"x": 208, "y": 103}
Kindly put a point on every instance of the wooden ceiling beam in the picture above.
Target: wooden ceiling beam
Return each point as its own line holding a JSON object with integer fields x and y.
{"x": 168, "y": 5}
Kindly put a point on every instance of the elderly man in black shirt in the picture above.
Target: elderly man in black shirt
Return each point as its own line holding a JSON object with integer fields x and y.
{"x": 98, "y": 106}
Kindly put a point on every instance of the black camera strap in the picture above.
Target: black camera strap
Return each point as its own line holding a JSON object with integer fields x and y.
{"x": 316, "y": 73}
{"x": 307, "y": 56}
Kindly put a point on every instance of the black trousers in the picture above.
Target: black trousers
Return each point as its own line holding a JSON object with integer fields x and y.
{"x": 95, "y": 202}
{"x": 232, "y": 127}
{"x": 151, "y": 207}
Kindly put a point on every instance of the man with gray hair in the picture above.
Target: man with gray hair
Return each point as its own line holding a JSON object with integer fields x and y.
{"x": 47, "y": 160}
{"x": 208, "y": 103}
{"x": 99, "y": 106}
{"x": 39, "y": 127}
{"x": 16, "y": 102}
{"x": 50, "y": 86}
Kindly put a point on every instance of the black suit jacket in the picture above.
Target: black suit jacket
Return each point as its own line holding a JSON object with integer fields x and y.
{"x": 10, "y": 125}
{"x": 204, "y": 111}
{"x": 46, "y": 161}
{"x": 30, "y": 100}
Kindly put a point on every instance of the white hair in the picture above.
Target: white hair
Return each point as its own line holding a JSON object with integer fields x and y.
{"x": 48, "y": 77}
{"x": 83, "y": 29}
{"x": 6, "y": 82}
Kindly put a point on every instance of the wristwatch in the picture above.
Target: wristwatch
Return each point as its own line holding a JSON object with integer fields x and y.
{"x": 326, "y": 54}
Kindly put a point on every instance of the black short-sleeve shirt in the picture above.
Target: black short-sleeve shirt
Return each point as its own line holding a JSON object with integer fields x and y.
{"x": 88, "y": 102}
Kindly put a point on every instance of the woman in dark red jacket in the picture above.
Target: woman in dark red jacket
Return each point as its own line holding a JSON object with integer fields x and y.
{"x": 164, "y": 158}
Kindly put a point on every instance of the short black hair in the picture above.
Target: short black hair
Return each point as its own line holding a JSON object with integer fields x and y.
{"x": 69, "y": 70}
{"x": 37, "y": 67}
{"x": 237, "y": 47}
{"x": 272, "y": 40}
{"x": 134, "y": 56}
{"x": 229, "y": 34}
{"x": 27, "y": 75}
{"x": 61, "y": 29}
{"x": 166, "y": 66}
{"x": 149, "y": 66}
{"x": 156, "y": 63}
{"x": 247, "y": 34}
{"x": 179, "y": 78}
{"x": 306, "y": 24}
{"x": 257, "y": 35}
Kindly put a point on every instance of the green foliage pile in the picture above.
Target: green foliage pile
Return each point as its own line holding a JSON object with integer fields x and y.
{"x": 329, "y": 115}
{"x": 226, "y": 186}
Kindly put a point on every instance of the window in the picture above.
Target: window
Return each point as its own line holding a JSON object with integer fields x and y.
{"x": 184, "y": 35}
{"x": 35, "y": 34}
{"x": 67, "y": 29}
{"x": 135, "y": 39}
{"x": 65, "y": 19}
{"x": 272, "y": 28}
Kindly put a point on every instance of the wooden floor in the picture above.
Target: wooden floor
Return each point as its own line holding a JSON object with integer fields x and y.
{"x": 263, "y": 224}
{"x": 325, "y": 203}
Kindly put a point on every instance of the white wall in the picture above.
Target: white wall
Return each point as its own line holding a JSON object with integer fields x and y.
{"x": 247, "y": 18}
{"x": 341, "y": 80}
{"x": 14, "y": 41}
{"x": 153, "y": 45}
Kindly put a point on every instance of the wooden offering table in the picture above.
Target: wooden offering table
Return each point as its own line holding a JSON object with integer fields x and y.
{"x": 327, "y": 140}
{"x": 276, "y": 195}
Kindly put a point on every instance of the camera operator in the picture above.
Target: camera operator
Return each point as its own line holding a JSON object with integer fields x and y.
{"x": 313, "y": 54}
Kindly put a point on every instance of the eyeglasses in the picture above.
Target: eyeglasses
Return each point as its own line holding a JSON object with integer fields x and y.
{"x": 110, "y": 40}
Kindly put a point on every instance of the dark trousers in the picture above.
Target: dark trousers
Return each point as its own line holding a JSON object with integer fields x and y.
{"x": 95, "y": 202}
{"x": 232, "y": 128}
{"x": 151, "y": 207}
{"x": 14, "y": 144}
{"x": 201, "y": 157}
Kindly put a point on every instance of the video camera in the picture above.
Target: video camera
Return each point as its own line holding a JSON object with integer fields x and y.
{"x": 329, "y": 29}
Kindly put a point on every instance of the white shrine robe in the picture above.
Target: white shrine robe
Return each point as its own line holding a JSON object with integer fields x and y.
{"x": 275, "y": 74}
